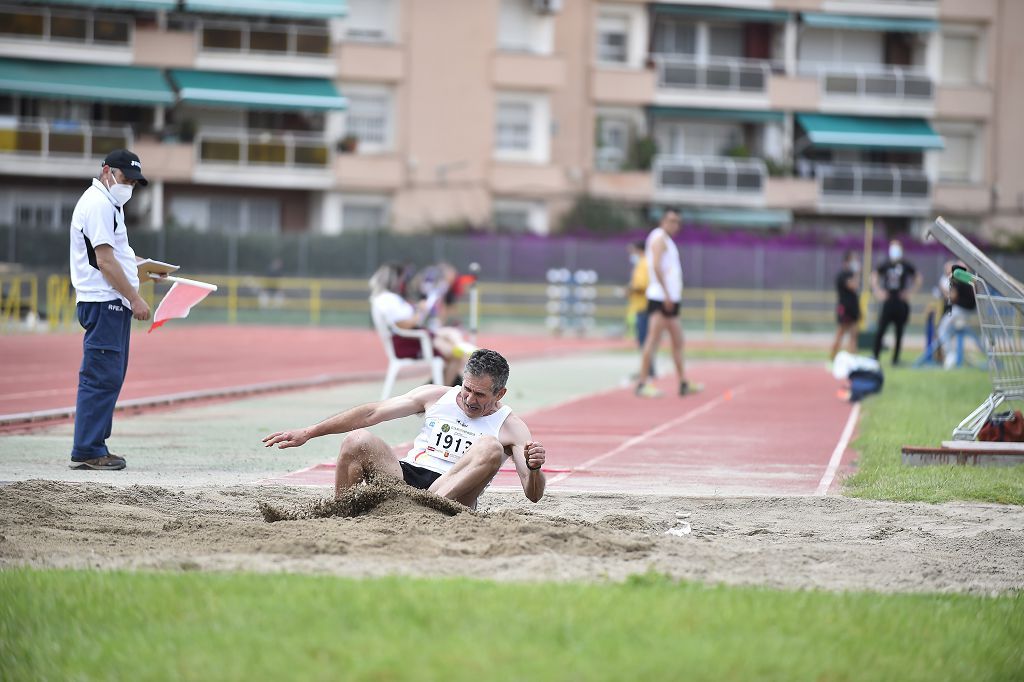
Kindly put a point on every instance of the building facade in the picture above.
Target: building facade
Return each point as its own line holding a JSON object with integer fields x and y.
{"x": 339, "y": 115}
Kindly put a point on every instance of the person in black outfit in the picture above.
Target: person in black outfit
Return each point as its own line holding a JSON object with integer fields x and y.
{"x": 847, "y": 306}
{"x": 894, "y": 282}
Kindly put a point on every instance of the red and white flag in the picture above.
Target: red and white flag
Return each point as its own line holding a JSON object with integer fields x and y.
{"x": 178, "y": 302}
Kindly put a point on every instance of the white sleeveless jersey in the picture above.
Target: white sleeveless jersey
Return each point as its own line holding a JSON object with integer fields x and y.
{"x": 448, "y": 433}
{"x": 671, "y": 268}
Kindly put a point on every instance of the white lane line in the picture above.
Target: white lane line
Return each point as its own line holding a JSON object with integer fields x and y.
{"x": 635, "y": 440}
{"x": 837, "y": 454}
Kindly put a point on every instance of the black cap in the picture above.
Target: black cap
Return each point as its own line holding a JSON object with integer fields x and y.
{"x": 128, "y": 163}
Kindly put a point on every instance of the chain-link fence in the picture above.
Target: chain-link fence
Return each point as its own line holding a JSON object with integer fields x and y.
{"x": 502, "y": 258}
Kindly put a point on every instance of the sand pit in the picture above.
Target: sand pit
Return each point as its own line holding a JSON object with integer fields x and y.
{"x": 790, "y": 542}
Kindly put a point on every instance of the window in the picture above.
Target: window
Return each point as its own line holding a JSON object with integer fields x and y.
{"x": 511, "y": 215}
{"x": 959, "y": 58}
{"x": 522, "y": 29}
{"x": 369, "y": 118}
{"x": 725, "y": 41}
{"x": 521, "y": 128}
{"x": 613, "y": 38}
{"x": 241, "y": 216}
{"x": 957, "y": 159}
{"x": 512, "y": 130}
{"x": 613, "y": 136}
{"x": 364, "y": 213}
{"x": 672, "y": 36}
{"x": 226, "y": 215}
{"x": 370, "y": 20}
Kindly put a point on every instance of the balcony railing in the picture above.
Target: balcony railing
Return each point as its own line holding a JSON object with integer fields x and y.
{"x": 49, "y": 25}
{"x": 263, "y": 149}
{"x": 243, "y": 39}
{"x": 729, "y": 75}
{"x": 870, "y": 182}
{"x": 873, "y": 81}
{"x": 62, "y": 139}
{"x": 720, "y": 175}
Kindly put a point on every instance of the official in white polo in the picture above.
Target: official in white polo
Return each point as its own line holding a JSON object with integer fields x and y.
{"x": 106, "y": 281}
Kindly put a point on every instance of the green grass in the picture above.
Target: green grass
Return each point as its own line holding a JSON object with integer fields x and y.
{"x": 921, "y": 407}
{"x": 151, "y": 626}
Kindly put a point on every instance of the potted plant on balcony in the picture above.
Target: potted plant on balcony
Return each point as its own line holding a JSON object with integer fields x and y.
{"x": 348, "y": 144}
{"x": 642, "y": 153}
{"x": 187, "y": 130}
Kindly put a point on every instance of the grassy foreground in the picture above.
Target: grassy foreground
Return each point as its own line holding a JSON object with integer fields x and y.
{"x": 152, "y": 626}
{"x": 921, "y": 407}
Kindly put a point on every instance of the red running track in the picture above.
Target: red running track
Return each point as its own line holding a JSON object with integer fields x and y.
{"x": 756, "y": 429}
{"x": 40, "y": 372}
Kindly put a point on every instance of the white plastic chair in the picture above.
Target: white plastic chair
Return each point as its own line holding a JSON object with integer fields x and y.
{"x": 396, "y": 364}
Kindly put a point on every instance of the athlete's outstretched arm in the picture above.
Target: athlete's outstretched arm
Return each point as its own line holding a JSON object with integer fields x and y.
{"x": 362, "y": 416}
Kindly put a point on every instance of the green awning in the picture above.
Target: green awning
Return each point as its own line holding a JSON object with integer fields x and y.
{"x": 218, "y": 89}
{"x": 862, "y": 132}
{"x": 59, "y": 80}
{"x": 150, "y": 5}
{"x": 310, "y": 9}
{"x": 738, "y": 217}
{"x": 733, "y": 13}
{"x": 874, "y": 23}
{"x": 744, "y": 115}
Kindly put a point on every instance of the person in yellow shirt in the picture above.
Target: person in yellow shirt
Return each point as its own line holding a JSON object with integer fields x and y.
{"x": 636, "y": 302}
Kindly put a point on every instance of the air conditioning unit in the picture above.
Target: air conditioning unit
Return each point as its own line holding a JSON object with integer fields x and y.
{"x": 547, "y": 6}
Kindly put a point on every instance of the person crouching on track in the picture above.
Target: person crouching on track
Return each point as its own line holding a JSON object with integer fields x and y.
{"x": 467, "y": 434}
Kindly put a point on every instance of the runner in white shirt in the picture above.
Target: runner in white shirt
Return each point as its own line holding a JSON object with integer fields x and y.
{"x": 467, "y": 434}
{"x": 664, "y": 295}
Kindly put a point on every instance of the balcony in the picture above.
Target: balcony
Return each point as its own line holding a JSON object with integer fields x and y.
{"x": 716, "y": 181}
{"x": 62, "y": 148}
{"x": 269, "y": 49}
{"x": 685, "y": 78}
{"x": 257, "y": 158}
{"x": 887, "y": 189}
{"x": 873, "y": 88}
{"x": 59, "y": 34}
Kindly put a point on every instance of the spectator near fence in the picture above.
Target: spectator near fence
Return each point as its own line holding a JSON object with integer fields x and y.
{"x": 847, "y": 305}
{"x": 894, "y": 282}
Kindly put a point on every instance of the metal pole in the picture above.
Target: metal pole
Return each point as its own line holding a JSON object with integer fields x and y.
{"x": 474, "y": 302}
{"x": 865, "y": 270}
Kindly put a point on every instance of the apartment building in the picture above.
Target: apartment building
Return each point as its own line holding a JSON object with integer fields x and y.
{"x": 339, "y": 115}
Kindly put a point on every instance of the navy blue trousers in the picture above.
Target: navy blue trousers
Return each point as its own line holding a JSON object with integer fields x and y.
{"x": 108, "y": 328}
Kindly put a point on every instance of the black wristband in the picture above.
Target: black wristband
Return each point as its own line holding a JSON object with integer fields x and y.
{"x": 537, "y": 468}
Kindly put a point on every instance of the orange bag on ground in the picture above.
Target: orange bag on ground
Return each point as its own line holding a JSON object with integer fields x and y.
{"x": 1006, "y": 427}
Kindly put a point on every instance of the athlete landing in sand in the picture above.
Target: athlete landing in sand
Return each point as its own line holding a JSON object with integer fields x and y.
{"x": 467, "y": 435}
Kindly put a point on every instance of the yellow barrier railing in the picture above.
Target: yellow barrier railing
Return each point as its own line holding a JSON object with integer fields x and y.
{"x": 19, "y": 300}
{"x": 313, "y": 299}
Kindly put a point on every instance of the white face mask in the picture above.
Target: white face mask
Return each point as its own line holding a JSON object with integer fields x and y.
{"x": 121, "y": 193}
{"x": 895, "y": 252}
{"x": 854, "y": 266}
{"x": 634, "y": 258}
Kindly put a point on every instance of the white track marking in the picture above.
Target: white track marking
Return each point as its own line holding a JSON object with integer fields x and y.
{"x": 682, "y": 419}
{"x": 837, "y": 454}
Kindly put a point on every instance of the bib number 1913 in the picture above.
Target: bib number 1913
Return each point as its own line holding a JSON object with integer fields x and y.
{"x": 447, "y": 442}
